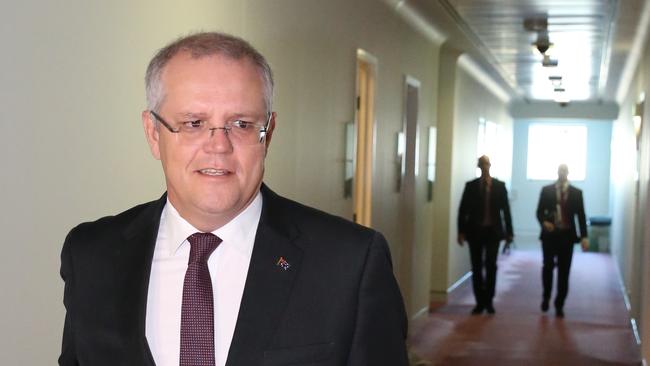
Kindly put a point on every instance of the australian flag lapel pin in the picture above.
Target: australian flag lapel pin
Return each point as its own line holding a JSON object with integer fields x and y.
{"x": 282, "y": 263}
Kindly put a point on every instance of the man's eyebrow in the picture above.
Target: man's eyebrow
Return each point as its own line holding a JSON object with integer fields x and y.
{"x": 250, "y": 115}
{"x": 247, "y": 115}
{"x": 191, "y": 115}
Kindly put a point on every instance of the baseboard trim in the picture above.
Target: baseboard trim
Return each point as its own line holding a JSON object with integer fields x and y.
{"x": 460, "y": 281}
{"x": 438, "y": 298}
{"x": 628, "y": 305}
{"x": 420, "y": 313}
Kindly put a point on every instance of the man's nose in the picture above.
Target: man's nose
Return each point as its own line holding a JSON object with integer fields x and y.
{"x": 218, "y": 140}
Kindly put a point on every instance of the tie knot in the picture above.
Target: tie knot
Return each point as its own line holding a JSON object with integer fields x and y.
{"x": 202, "y": 245}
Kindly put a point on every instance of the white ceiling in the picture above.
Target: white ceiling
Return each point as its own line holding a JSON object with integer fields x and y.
{"x": 592, "y": 41}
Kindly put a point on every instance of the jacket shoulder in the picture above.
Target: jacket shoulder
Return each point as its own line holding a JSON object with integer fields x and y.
{"x": 309, "y": 215}
{"x": 111, "y": 223}
{"x": 284, "y": 212}
{"x": 473, "y": 184}
{"x": 549, "y": 187}
{"x": 574, "y": 188}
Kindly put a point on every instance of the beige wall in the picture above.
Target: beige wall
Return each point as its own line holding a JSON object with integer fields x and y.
{"x": 642, "y": 240}
{"x": 442, "y": 199}
{"x": 70, "y": 98}
{"x": 464, "y": 96}
{"x": 624, "y": 233}
{"x": 313, "y": 57}
{"x": 473, "y": 101}
{"x": 630, "y": 201}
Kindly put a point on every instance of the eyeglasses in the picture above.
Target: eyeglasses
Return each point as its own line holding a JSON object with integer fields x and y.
{"x": 238, "y": 131}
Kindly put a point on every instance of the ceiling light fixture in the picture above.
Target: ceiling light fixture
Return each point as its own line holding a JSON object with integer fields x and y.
{"x": 542, "y": 44}
{"x": 548, "y": 62}
{"x": 535, "y": 24}
{"x": 556, "y": 81}
{"x": 561, "y": 97}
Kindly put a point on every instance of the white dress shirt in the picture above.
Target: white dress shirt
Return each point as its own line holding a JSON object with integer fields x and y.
{"x": 228, "y": 267}
{"x": 561, "y": 193}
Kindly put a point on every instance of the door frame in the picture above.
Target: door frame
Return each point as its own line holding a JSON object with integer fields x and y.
{"x": 365, "y": 136}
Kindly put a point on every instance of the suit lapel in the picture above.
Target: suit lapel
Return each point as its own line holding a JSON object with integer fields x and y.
{"x": 274, "y": 265}
{"x": 140, "y": 240}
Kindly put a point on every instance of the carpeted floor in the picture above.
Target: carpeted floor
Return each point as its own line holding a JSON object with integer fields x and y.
{"x": 596, "y": 329}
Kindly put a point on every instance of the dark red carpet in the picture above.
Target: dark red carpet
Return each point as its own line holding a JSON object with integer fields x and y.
{"x": 596, "y": 329}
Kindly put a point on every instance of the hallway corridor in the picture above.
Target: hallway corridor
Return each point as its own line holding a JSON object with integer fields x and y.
{"x": 596, "y": 329}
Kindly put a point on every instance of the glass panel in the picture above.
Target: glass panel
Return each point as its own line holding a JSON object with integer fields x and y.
{"x": 431, "y": 162}
{"x": 349, "y": 160}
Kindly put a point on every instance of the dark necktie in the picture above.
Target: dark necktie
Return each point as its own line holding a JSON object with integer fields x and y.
{"x": 563, "y": 208}
{"x": 487, "y": 219}
{"x": 197, "y": 311}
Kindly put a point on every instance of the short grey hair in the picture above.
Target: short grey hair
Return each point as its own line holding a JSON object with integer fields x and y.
{"x": 202, "y": 45}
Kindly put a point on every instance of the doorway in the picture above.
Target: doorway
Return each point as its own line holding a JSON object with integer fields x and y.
{"x": 365, "y": 137}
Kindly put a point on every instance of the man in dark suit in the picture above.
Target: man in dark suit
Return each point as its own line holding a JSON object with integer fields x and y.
{"x": 560, "y": 204}
{"x": 484, "y": 220}
{"x": 220, "y": 270}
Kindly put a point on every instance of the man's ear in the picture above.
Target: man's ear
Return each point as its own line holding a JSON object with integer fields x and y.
{"x": 151, "y": 133}
{"x": 269, "y": 131}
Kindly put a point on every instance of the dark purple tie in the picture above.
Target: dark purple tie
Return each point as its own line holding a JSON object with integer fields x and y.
{"x": 197, "y": 312}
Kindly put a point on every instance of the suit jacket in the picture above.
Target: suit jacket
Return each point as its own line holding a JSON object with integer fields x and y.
{"x": 471, "y": 210}
{"x": 337, "y": 304}
{"x": 546, "y": 208}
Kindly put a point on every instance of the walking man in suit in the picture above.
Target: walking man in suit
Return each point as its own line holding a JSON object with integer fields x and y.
{"x": 221, "y": 270}
{"x": 484, "y": 220}
{"x": 560, "y": 204}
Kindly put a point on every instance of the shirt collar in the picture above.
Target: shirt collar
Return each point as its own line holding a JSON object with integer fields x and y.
{"x": 238, "y": 233}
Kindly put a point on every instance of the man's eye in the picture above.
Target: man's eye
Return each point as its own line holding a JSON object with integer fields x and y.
{"x": 242, "y": 125}
{"x": 192, "y": 125}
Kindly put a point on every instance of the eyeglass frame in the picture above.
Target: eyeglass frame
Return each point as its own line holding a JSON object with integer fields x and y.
{"x": 263, "y": 130}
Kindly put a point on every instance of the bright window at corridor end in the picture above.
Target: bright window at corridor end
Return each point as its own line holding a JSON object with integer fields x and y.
{"x": 551, "y": 145}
